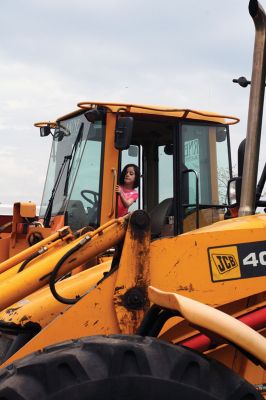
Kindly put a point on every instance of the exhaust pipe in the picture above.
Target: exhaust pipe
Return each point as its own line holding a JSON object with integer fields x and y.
{"x": 256, "y": 99}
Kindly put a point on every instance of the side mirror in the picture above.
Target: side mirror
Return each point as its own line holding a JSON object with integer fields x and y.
{"x": 45, "y": 130}
{"x": 94, "y": 115}
{"x": 221, "y": 134}
{"x": 133, "y": 151}
{"x": 234, "y": 191}
{"x": 123, "y": 132}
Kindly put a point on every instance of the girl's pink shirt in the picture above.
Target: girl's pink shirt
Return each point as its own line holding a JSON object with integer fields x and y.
{"x": 128, "y": 194}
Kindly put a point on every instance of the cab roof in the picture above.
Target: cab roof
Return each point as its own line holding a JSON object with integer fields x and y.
{"x": 184, "y": 113}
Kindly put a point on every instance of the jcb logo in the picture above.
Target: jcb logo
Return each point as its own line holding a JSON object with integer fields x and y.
{"x": 224, "y": 262}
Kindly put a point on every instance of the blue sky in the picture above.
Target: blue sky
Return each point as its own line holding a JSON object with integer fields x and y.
{"x": 56, "y": 53}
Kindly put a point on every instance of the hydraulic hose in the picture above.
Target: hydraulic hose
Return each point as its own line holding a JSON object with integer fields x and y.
{"x": 32, "y": 257}
{"x": 54, "y": 273}
{"x": 49, "y": 241}
{"x": 73, "y": 250}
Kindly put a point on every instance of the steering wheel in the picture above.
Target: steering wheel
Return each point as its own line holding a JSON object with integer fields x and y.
{"x": 94, "y": 194}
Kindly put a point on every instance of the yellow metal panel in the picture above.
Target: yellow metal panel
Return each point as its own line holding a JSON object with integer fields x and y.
{"x": 236, "y": 360}
{"x": 94, "y": 314}
{"x": 4, "y": 247}
{"x": 133, "y": 277}
{"x": 251, "y": 222}
{"x": 41, "y": 307}
{"x": 184, "y": 264}
{"x": 27, "y": 210}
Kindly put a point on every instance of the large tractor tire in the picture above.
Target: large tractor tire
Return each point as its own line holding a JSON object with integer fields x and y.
{"x": 121, "y": 367}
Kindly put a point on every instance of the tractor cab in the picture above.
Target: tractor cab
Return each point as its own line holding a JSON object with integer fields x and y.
{"x": 183, "y": 157}
{"x": 73, "y": 183}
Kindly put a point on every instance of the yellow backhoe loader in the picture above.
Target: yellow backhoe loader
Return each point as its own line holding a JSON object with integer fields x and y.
{"x": 167, "y": 301}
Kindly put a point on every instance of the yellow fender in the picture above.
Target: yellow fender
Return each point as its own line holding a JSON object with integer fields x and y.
{"x": 213, "y": 320}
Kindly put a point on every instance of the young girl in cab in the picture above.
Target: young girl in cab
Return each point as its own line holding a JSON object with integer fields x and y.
{"x": 126, "y": 192}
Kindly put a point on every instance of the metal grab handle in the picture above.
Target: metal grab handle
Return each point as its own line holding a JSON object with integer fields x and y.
{"x": 187, "y": 171}
{"x": 113, "y": 193}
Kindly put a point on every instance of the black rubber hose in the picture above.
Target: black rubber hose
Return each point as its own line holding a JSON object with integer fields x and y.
{"x": 159, "y": 323}
{"x": 32, "y": 257}
{"x": 25, "y": 263}
{"x": 148, "y": 321}
{"x": 154, "y": 320}
{"x": 54, "y": 273}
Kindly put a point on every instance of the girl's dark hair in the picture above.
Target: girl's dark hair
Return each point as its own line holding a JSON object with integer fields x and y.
{"x": 137, "y": 175}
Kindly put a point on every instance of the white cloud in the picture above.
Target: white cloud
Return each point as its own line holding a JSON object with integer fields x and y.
{"x": 57, "y": 53}
{"x": 21, "y": 181}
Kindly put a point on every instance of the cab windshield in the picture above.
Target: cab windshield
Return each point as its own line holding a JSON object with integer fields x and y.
{"x": 74, "y": 173}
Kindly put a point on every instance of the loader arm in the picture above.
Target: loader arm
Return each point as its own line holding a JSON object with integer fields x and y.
{"x": 66, "y": 258}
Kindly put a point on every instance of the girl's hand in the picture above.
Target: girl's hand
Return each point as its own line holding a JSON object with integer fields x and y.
{"x": 118, "y": 189}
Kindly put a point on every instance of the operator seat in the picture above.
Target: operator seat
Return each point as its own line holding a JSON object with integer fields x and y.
{"x": 76, "y": 215}
{"x": 158, "y": 216}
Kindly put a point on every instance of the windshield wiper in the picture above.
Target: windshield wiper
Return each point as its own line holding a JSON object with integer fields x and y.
{"x": 48, "y": 212}
{"x": 73, "y": 152}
